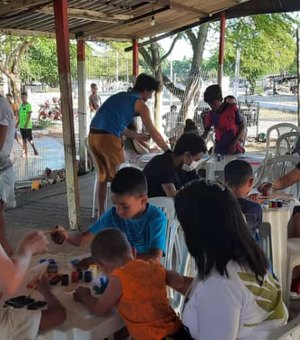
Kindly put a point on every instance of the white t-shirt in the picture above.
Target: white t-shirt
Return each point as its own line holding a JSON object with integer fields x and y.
{"x": 221, "y": 308}
{"x": 7, "y": 119}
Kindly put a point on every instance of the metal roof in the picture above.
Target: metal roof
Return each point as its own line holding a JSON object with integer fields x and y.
{"x": 127, "y": 19}
{"x": 108, "y": 19}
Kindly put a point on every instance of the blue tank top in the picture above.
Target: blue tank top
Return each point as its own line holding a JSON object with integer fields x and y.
{"x": 116, "y": 113}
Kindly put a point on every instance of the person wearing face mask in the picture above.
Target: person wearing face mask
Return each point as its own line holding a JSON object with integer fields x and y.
{"x": 168, "y": 172}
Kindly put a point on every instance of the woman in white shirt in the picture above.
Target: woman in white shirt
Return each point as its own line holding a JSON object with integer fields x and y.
{"x": 233, "y": 296}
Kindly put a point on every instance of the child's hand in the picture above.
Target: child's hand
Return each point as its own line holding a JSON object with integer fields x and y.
{"x": 81, "y": 293}
{"x": 43, "y": 285}
{"x": 59, "y": 235}
{"x": 265, "y": 188}
{"x": 34, "y": 243}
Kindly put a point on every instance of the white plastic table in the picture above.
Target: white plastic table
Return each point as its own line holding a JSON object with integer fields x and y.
{"x": 278, "y": 219}
{"x": 215, "y": 167}
{"x": 79, "y": 324}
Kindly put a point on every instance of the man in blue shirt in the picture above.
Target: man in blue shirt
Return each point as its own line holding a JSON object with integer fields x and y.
{"x": 144, "y": 224}
{"x": 110, "y": 123}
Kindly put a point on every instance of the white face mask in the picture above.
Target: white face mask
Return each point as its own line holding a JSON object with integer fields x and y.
{"x": 190, "y": 167}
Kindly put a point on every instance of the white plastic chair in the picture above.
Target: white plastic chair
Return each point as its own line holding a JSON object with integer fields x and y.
{"x": 274, "y": 168}
{"x": 94, "y": 162}
{"x": 277, "y": 130}
{"x": 291, "y": 331}
{"x": 176, "y": 257}
{"x": 286, "y": 143}
{"x": 293, "y": 252}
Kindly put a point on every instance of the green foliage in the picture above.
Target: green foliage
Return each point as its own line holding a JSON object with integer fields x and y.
{"x": 267, "y": 46}
{"x": 111, "y": 57}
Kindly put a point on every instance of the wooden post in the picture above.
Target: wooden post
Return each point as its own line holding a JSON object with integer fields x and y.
{"x": 62, "y": 40}
{"x": 135, "y": 58}
{"x": 82, "y": 112}
{"x": 298, "y": 74}
{"x": 221, "y": 47}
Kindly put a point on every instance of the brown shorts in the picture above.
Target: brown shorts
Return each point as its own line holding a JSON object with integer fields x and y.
{"x": 109, "y": 154}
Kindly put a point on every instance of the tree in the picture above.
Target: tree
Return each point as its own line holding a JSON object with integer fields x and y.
{"x": 11, "y": 51}
{"x": 267, "y": 46}
{"x": 190, "y": 96}
{"x": 154, "y": 56}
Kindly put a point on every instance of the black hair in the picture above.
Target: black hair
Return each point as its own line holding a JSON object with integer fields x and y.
{"x": 190, "y": 125}
{"x": 173, "y": 107}
{"x": 93, "y": 85}
{"x": 229, "y": 97}
{"x": 24, "y": 93}
{"x": 8, "y": 95}
{"x": 129, "y": 181}
{"x": 215, "y": 230}
{"x": 189, "y": 142}
{"x": 213, "y": 92}
{"x": 146, "y": 83}
{"x": 237, "y": 173}
{"x": 110, "y": 245}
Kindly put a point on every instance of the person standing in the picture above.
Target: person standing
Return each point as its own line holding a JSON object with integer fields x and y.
{"x": 7, "y": 177}
{"x": 25, "y": 123}
{"x": 110, "y": 122}
{"x": 226, "y": 121}
{"x": 94, "y": 99}
{"x": 15, "y": 109}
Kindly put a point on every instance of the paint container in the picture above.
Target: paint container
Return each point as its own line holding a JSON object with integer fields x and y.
{"x": 65, "y": 280}
{"x": 88, "y": 276}
{"x": 75, "y": 276}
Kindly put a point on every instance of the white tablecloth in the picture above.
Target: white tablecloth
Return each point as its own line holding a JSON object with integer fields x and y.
{"x": 79, "y": 324}
{"x": 215, "y": 167}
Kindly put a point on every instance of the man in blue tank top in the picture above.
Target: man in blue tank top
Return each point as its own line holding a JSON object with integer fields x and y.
{"x": 110, "y": 123}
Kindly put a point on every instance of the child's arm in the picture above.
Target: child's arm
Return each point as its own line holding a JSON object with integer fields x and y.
{"x": 178, "y": 282}
{"x": 77, "y": 239}
{"x": 55, "y": 314}
{"x": 14, "y": 271}
{"x": 104, "y": 304}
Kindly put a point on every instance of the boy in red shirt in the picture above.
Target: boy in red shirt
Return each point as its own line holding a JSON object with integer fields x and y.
{"x": 226, "y": 120}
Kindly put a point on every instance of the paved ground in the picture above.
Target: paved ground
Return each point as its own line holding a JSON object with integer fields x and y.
{"x": 47, "y": 207}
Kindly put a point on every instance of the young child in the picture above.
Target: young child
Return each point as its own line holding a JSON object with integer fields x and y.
{"x": 143, "y": 223}
{"x": 136, "y": 287}
{"x": 94, "y": 98}
{"x": 226, "y": 120}
{"x": 239, "y": 178}
{"x": 24, "y": 323}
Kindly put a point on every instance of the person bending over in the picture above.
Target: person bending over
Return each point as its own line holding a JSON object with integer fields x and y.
{"x": 109, "y": 124}
{"x": 239, "y": 178}
{"x": 143, "y": 223}
{"x": 168, "y": 172}
{"x": 136, "y": 287}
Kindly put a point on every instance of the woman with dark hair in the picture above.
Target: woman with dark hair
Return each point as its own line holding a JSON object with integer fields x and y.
{"x": 233, "y": 296}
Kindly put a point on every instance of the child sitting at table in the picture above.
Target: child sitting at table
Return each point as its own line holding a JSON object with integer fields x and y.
{"x": 144, "y": 224}
{"x": 136, "y": 287}
{"x": 239, "y": 178}
{"x": 22, "y": 323}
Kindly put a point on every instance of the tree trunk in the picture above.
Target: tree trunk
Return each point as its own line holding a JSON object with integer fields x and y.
{"x": 192, "y": 90}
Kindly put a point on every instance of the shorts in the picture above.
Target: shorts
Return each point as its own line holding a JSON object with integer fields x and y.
{"x": 19, "y": 324}
{"x": 109, "y": 154}
{"x": 26, "y": 134}
{"x": 7, "y": 187}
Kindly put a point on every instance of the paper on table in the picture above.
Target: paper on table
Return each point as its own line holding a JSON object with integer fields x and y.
{"x": 66, "y": 298}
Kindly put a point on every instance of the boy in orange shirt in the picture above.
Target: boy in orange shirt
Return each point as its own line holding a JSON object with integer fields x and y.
{"x": 136, "y": 287}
